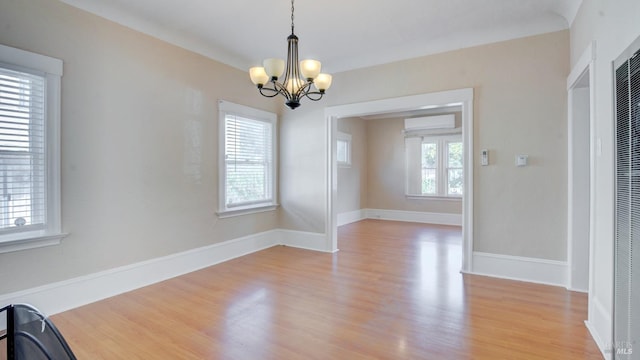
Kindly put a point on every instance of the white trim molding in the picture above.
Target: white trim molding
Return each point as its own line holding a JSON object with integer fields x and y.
{"x": 415, "y": 216}
{"x": 541, "y": 271}
{"x": 51, "y": 70}
{"x": 68, "y": 294}
{"x": 459, "y": 97}
{"x": 31, "y": 243}
{"x": 584, "y": 63}
{"x": 599, "y": 325}
{"x": 399, "y": 215}
{"x": 303, "y": 240}
{"x": 577, "y": 128}
{"x": 349, "y": 217}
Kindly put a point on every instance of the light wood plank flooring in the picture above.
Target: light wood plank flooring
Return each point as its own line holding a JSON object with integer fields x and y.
{"x": 393, "y": 291}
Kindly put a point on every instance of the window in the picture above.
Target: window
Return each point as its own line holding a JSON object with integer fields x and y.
{"x": 29, "y": 150}
{"x": 429, "y": 168}
{"x": 343, "y": 154}
{"x": 247, "y": 177}
{"x": 454, "y": 168}
{"x": 434, "y": 166}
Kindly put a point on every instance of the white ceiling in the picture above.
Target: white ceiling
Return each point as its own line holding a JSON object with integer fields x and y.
{"x": 343, "y": 34}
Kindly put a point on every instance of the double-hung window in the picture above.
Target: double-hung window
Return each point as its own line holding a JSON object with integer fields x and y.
{"x": 434, "y": 166}
{"x": 248, "y": 167}
{"x": 29, "y": 149}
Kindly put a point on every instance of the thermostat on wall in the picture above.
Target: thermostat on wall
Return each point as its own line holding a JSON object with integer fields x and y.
{"x": 484, "y": 157}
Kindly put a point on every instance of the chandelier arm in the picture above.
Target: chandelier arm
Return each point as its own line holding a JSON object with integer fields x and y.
{"x": 316, "y": 93}
{"x": 282, "y": 90}
{"x": 304, "y": 90}
{"x": 273, "y": 92}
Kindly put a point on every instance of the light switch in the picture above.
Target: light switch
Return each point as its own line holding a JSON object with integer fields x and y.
{"x": 521, "y": 160}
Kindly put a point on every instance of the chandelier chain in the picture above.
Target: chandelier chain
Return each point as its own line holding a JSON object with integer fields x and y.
{"x": 292, "y": 9}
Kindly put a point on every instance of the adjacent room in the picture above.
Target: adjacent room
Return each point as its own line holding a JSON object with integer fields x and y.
{"x": 415, "y": 180}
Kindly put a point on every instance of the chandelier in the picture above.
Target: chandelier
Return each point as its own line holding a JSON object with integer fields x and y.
{"x": 300, "y": 78}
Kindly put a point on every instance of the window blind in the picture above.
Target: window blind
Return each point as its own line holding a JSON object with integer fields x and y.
{"x": 626, "y": 317}
{"x": 248, "y": 161}
{"x": 22, "y": 151}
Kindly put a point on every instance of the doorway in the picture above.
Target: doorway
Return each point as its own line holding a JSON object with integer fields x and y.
{"x": 580, "y": 173}
{"x": 461, "y": 97}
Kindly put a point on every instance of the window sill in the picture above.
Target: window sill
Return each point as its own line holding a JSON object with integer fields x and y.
{"x": 245, "y": 211}
{"x": 433, "y": 197}
{"x": 29, "y": 241}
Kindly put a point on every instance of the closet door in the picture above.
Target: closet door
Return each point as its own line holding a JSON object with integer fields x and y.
{"x": 634, "y": 246}
{"x": 626, "y": 325}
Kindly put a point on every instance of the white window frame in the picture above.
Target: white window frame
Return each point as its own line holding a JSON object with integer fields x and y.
{"x": 228, "y": 108}
{"x": 346, "y": 139}
{"x": 442, "y": 172}
{"x": 51, "y": 70}
{"x": 445, "y": 168}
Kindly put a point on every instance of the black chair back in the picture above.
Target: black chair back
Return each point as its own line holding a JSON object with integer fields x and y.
{"x": 32, "y": 336}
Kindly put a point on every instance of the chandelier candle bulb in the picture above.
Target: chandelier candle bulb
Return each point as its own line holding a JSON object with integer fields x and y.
{"x": 310, "y": 69}
{"x": 293, "y": 85}
{"x": 258, "y": 76}
{"x": 273, "y": 67}
{"x": 322, "y": 82}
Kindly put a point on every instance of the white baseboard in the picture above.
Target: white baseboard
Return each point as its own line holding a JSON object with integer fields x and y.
{"x": 304, "y": 240}
{"x": 415, "y": 216}
{"x": 68, "y": 294}
{"x": 349, "y": 217}
{"x": 534, "y": 270}
{"x": 599, "y": 325}
{"x": 580, "y": 290}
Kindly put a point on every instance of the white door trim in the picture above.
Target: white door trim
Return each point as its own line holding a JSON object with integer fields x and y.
{"x": 462, "y": 97}
{"x": 585, "y": 66}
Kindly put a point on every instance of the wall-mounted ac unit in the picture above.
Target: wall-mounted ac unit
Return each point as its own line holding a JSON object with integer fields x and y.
{"x": 430, "y": 122}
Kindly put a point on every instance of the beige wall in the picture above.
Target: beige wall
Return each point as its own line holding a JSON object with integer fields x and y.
{"x": 387, "y": 172}
{"x": 139, "y": 144}
{"x": 352, "y": 180}
{"x": 613, "y": 25}
{"x": 303, "y": 160}
{"x": 520, "y": 104}
{"x": 376, "y": 179}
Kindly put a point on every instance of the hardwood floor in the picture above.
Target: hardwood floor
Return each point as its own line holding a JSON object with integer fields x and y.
{"x": 394, "y": 291}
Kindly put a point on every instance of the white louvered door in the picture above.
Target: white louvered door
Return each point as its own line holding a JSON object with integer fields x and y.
{"x": 626, "y": 327}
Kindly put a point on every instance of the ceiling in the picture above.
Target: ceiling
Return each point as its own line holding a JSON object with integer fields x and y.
{"x": 344, "y": 35}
